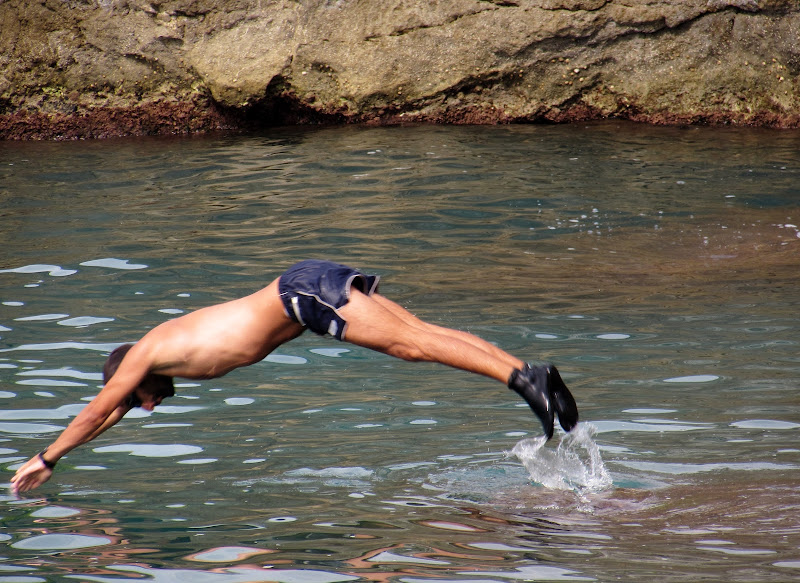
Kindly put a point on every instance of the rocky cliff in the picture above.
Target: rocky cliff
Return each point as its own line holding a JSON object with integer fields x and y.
{"x": 92, "y": 68}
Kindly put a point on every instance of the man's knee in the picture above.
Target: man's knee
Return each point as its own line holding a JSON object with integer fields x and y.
{"x": 409, "y": 352}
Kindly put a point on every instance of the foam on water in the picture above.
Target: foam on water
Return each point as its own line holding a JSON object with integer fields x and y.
{"x": 574, "y": 465}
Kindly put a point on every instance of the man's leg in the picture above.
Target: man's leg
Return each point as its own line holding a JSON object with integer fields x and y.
{"x": 423, "y": 326}
{"x": 377, "y": 323}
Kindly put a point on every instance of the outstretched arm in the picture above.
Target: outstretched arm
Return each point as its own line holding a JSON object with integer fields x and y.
{"x": 37, "y": 470}
{"x": 105, "y": 410}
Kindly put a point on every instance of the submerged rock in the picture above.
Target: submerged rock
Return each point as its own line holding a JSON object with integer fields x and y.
{"x": 93, "y": 68}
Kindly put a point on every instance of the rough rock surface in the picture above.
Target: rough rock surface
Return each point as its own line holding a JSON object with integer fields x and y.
{"x": 93, "y": 68}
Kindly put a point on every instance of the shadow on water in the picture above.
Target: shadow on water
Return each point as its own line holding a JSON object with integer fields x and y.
{"x": 656, "y": 266}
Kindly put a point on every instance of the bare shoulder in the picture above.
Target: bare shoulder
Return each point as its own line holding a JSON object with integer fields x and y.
{"x": 139, "y": 359}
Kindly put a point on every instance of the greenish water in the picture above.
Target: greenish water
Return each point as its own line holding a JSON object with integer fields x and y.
{"x": 657, "y": 267}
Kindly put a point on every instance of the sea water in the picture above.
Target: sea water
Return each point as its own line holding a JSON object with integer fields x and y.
{"x": 576, "y": 464}
{"x": 657, "y": 267}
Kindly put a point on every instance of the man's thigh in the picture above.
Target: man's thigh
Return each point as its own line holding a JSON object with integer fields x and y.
{"x": 377, "y": 323}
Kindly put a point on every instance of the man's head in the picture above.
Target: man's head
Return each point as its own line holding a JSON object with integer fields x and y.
{"x": 154, "y": 385}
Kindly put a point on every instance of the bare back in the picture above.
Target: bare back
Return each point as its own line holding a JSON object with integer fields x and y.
{"x": 212, "y": 341}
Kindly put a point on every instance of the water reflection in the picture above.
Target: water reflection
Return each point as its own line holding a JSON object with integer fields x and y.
{"x": 657, "y": 267}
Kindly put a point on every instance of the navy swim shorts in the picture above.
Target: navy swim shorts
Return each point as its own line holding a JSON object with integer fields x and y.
{"x": 312, "y": 292}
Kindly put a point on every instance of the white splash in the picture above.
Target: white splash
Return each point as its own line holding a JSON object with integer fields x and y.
{"x": 574, "y": 465}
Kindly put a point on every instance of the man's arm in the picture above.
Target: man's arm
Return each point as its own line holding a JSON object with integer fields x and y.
{"x": 105, "y": 410}
{"x": 37, "y": 470}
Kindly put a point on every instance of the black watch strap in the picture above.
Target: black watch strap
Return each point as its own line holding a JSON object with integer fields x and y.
{"x": 47, "y": 464}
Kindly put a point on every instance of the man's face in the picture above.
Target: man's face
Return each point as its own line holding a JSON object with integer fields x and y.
{"x": 144, "y": 398}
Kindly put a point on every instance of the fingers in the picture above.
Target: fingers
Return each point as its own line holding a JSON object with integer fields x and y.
{"x": 29, "y": 482}
{"x": 30, "y": 475}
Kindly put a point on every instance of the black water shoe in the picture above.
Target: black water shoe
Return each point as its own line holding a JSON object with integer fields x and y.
{"x": 563, "y": 401}
{"x": 532, "y": 384}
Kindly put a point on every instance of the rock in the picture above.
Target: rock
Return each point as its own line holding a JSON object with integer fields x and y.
{"x": 93, "y": 68}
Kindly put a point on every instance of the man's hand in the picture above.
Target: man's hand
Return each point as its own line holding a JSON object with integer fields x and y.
{"x": 30, "y": 475}
{"x": 83, "y": 428}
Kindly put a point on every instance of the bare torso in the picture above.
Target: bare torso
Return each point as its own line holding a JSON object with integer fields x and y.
{"x": 213, "y": 341}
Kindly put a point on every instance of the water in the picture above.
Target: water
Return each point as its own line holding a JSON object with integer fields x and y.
{"x": 575, "y": 465}
{"x": 657, "y": 267}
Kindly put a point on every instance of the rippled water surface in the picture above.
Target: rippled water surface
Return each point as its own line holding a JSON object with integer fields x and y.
{"x": 657, "y": 267}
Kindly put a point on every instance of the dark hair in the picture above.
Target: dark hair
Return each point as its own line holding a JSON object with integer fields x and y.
{"x": 158, "y": 384}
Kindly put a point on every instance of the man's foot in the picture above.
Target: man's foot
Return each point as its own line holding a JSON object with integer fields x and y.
{"x": 563, "y": 401}
{"x": 547, "y": 395}
{"x": 532, "y": 384}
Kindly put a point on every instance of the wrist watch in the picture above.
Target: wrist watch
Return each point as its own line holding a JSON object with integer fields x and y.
{"x": 49, "y": 465}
